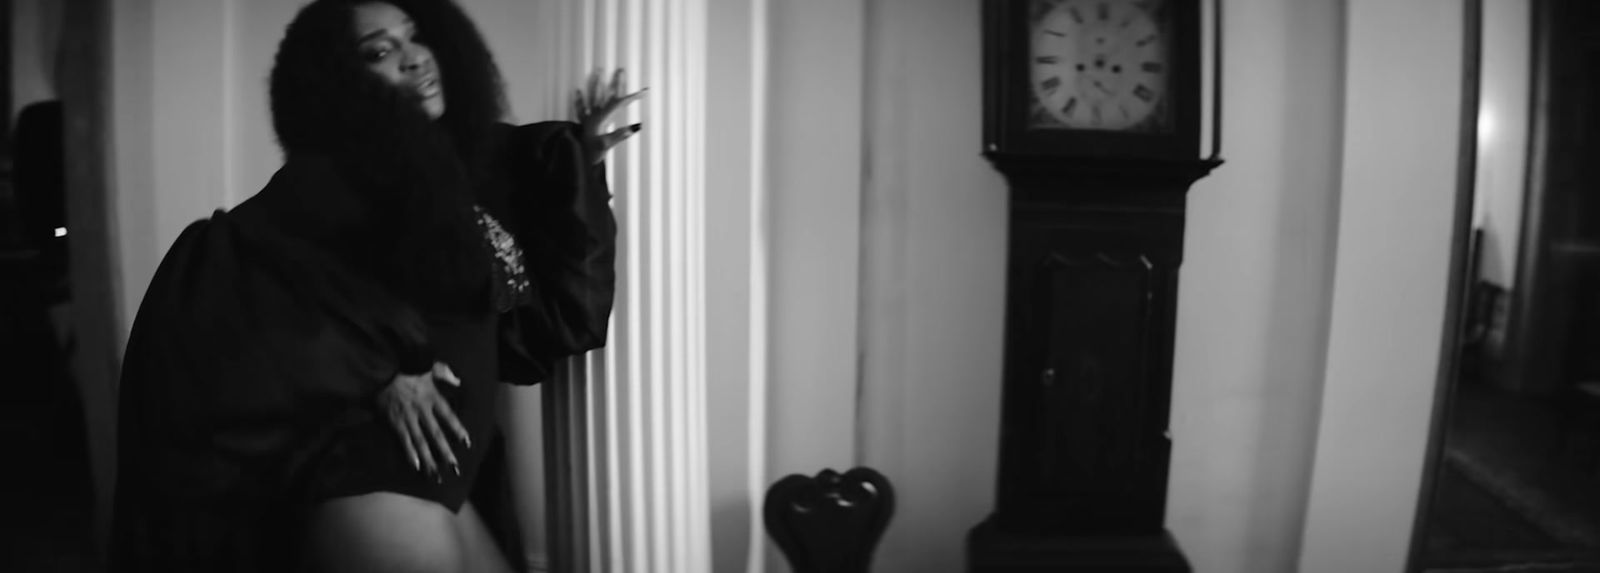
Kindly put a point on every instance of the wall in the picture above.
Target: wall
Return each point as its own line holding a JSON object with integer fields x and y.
{"x": 933, "y": 244}
{"x": 35, "y": 37}
{"x": 1396, "y": 230}
{"x": 253, "y": 30}
{"x": 171, "y": 156}
{"x": 1253, "y": 299}
{"x": 887, "y": 264}
{"x": 815, "y": 161}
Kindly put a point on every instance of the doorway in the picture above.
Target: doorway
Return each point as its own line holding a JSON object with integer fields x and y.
{"x": 1515, "y": 459}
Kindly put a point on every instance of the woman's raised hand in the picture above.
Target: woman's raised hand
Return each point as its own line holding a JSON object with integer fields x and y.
{"x": 420, "y": 415}
{"x": 593, "y": 110}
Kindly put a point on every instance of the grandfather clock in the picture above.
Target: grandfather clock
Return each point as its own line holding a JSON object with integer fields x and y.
{"x": 1093, "y": 115}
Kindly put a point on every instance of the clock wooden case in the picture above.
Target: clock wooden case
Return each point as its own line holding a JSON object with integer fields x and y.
{"x": 1092, "y": 114}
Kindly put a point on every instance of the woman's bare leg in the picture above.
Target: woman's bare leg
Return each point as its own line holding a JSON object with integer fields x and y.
{"x": 521, "y": 417}
{"x": 383, "y": 531}
{"x": 478, "y": 549}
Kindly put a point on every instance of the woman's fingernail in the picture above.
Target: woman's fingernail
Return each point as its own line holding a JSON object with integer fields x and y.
{"x": 457, "y": 468}
{"x": 636, "y": 127}
{"x": 416, "y": 465}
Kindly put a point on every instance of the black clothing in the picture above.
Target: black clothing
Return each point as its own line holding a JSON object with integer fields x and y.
{"x": 248, "y": 386}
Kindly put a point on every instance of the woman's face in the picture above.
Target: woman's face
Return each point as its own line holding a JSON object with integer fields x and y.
{"x": 386, "y": 42}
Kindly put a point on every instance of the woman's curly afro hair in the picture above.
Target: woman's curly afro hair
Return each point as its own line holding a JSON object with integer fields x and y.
{"x": 415, "y": 174}
{"x": 322, "y": 95}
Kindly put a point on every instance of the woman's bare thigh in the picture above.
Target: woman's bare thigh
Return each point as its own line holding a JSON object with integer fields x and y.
{"x": 386, "y": 531}
{"x": 478, "y": 549}
{"x": 383, "y": 531}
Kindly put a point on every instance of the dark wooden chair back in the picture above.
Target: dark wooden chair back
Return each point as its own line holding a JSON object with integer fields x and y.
{"x": 829, "y": 523}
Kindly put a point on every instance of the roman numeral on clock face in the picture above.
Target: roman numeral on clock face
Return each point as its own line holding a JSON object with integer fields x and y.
{"x": 1041, "y": 116}
{"x": 1144, "y": 93}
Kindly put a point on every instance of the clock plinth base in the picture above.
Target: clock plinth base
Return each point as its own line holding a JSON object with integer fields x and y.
{"x": 990, "y": 550}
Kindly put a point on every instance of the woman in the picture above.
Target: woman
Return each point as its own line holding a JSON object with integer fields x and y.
{"x": 311, "y": 381}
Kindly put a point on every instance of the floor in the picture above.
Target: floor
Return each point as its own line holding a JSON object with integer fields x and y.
{"x": 1513, "y": 493}
{"x": 45, "y": 524}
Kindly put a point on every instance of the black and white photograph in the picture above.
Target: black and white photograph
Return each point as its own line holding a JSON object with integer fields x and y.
{"x": 808, "y": 286}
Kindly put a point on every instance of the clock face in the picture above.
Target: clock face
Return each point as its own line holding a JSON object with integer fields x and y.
{"x": 1099, "y": 65}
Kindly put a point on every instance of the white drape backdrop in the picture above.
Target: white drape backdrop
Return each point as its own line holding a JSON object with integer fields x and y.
{"x": 623, "y": 429}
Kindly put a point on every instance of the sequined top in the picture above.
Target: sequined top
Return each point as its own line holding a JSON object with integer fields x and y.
{"x": 510, "y": 276}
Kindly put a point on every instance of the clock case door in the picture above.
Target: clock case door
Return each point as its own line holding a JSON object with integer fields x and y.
{"x": 1095, "y": 249}
{"x": 1095, "y": 244}
{"x": 1009, "y": 91}
{"x": 1091, "y": 296}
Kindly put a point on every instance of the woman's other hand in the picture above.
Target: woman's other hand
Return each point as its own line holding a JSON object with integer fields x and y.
{"x": 594, "y": 108}
{"x": 419, "y": 415}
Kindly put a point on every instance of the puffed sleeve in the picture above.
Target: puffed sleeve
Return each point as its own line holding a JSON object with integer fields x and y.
{"x": 559, "y": 212}
{"x": 249, "y": 349}
{"x": 307, "y": 204}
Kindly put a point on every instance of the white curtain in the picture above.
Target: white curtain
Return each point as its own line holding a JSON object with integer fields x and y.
{"x": 624, "y": 428}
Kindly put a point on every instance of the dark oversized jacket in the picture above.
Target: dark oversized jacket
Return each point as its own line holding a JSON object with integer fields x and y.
{"x": 259, "y": 341}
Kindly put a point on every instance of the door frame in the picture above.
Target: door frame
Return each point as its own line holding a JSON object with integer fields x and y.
{"x": 1462, "y": 266}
